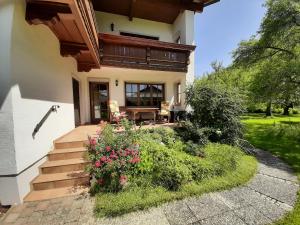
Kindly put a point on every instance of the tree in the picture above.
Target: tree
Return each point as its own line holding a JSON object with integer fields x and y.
{"x": 279, "y": 34}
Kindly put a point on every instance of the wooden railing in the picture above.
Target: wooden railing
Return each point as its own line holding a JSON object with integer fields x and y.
{"x": 139, "y": 53}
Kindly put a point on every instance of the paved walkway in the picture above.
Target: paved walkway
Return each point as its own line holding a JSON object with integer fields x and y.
{"x": 266, "y": 198}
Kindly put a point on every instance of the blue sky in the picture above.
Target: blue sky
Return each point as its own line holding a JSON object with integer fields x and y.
{"x": 221, "y": 27}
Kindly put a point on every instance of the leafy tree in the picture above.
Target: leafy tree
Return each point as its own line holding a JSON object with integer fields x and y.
{"x": 279, "y": 34}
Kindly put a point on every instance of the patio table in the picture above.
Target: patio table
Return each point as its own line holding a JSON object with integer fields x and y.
{"x": 135, "y": 110}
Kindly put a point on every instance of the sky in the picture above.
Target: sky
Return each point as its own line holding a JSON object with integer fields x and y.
{"x": 221, "y": 27}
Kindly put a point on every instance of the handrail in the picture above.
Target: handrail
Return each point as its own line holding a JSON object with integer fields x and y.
{"x": 40, "y": 124}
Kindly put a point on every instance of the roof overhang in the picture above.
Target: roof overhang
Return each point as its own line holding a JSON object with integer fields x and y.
{"x": 165, "y": 11}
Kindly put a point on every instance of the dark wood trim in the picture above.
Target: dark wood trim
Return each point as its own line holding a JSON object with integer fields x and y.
{"x": 134, "y": 41}
{"x": 72, "y": 48}
{"x": 138, "y": 94}
{"x": 73, "y": 23}
{"x": 92, "y": 113}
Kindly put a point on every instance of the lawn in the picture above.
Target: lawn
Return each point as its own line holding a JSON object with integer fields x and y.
{"x": 281, "y": 136}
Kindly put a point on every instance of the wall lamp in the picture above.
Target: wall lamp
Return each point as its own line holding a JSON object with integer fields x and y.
{"x": 112, "y": 26}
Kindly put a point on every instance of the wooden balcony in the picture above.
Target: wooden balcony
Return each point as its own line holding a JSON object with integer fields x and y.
{"x": 73, "y": 23}
{"x": 139, "y": 53}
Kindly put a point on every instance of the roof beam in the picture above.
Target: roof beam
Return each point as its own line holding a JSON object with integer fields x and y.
{"x": 131, "y": 10}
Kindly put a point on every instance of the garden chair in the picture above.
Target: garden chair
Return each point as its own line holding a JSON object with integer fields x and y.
{"x": 115, "y": 114}
{"x": 165, "y": 110}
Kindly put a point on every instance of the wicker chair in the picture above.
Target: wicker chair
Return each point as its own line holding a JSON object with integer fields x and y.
{"x": 115, "y": 114}
{"x": 165, "y": 111}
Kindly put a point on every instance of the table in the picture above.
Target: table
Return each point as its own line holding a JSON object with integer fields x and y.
{"x": 135, "y": 110}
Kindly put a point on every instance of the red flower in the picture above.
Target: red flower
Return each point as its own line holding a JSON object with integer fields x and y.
{"x": 123, "y": 180}
{"x": 103, "y": 158}
{"x": 97, "y": 164}
{"x": 108, "y": 148}
{"x": 135, "y": 160}
{"x": 93, "y": 141}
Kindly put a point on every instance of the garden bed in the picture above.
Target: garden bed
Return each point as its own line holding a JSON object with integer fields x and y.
{"x": 138, "y": 169}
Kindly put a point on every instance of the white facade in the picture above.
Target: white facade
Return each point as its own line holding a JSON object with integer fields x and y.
{"x": 33, "y": 77}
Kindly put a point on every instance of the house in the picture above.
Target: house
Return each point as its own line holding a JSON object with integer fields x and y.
{"x": 61, "y": 61}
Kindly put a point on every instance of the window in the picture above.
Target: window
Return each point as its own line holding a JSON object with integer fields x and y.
{"x": 178, "y": 94}
{"x": 144, "y": 95}
{"x": 139, "y": 36}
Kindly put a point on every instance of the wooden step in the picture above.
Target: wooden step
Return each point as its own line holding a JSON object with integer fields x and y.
{"x": 59, "y": 180}
{"x": 55, "y": 193}
{"x": 67, "y": 153}
{"x": 71, "y": 144}
{"x": 62, "y": 166}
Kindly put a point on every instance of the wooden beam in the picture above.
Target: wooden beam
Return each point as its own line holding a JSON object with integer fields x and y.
{"x": 72, "y": 48}
{"x": 131, "y": 10}
{"x": 40, "y": 12}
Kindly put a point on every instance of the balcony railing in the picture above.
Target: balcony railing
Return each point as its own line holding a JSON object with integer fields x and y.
{"x": 139, "y": 53}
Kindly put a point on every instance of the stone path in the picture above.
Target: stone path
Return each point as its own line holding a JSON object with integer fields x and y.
{"x": 266, "y": 198}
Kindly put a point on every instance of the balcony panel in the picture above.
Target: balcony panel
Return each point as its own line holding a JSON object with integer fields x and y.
{"x": 139, "y": 53}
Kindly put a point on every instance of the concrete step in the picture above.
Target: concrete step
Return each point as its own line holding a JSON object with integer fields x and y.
{"x": 67, "y": 153}
{"x": 62, "y": 166}
{"x": 55, "y": 193}
{"x": 59, "y": 180}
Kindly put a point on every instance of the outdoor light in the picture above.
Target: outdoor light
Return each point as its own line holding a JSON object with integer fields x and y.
{"x": 112, "y": 27}
{"x": 117, "y": 83}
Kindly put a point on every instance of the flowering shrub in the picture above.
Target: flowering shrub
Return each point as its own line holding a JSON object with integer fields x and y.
{"x": 113, "y": 157}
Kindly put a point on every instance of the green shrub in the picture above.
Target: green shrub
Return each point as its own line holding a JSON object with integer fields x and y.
{"x": 190, "y": 132}
{"x": 194, "y": 149}
{"x": 217, "y": 110}
{"x": 295, "y": 111}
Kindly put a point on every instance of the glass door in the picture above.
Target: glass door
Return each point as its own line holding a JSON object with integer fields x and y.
{"x": 99, "y": 97}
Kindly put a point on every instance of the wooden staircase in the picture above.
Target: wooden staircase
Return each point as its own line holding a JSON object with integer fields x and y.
{"x": 63, "y": 174}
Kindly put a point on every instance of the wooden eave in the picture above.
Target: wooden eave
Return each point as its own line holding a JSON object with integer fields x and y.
{"x": 165, "y": 11}
{"x": 133, "y": 41}
{"x": 73, "y": 23}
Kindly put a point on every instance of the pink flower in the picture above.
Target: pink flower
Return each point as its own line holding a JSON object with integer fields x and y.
{"x": 135, "y": 160}
{"x": 108, "y": 148}
{"x": 97, "y": 164}
{"x": 103, "y": 158}
{"x": 123, "y": 180}
{"x": 93, "y": 141}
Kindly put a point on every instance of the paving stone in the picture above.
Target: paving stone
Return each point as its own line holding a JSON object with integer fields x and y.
{"x": 283, "y": 173}
{"x": 206, "y": 206}
{"x": 147, "y": 217}
{"x": 233, "y": 198}
{"x": 179, "y": 213}
{"x": 275, "y": 188}
{"x": 11, "y": 217}
{"x": 228, "y": 218}
{"x": 42, "y": 206}
{"x": 251, "y": 216}
{"x": 20, "y": 221}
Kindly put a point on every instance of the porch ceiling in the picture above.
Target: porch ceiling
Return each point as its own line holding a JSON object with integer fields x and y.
{"x": 165, "y": 11}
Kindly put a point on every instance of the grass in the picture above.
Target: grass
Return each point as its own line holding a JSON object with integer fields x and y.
{"x": 281, "y": 136}
{"x": 112, "y": 204}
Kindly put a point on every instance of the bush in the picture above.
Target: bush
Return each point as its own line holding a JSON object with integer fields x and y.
{"x": 190, "y": 132}
{"x": 113, "y": 158}
{"x": 216, "y": 110}
{"x": 295, "y": 111}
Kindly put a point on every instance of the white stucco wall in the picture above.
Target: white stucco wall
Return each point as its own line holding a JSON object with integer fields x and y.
{"x": 39, "y": 78}
{"x": 7, "y": 152}
{"x": 184, "y": 27}
{"x": 109, "y": 74}
{"x": 139, "y": 26}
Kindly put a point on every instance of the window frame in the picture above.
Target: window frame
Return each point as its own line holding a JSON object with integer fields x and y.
{"x": 138, "y": 93}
